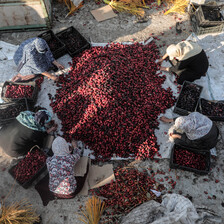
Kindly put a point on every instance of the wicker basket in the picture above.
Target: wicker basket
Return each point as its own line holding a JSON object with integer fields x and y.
{"x": 214, "y": 11}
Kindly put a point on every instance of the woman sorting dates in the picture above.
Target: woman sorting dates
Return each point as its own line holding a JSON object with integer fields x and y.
{"x": 188, "y": 59}
{"x": 61, "y": 182}
{"x": 33, "y": 57}
{"x": 25, "y": 131}
{"x": 194, "y": 131}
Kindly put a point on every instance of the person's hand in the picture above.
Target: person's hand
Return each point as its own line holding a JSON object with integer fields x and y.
{"x": 59, "y": 66}
{"x": 175, "y": 136}
{"x": 17, "y": 77}
{"x": 160, "y": 60}
{"x": 74, "y": 144}
{"x": 165, "y": 119}
{"x": 55, "y": 78}
{"x": 52, "y": 129}
{"x": 166, "y": 69}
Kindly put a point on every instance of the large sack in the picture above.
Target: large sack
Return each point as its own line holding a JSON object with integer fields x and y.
{"x": 174, "y": 209}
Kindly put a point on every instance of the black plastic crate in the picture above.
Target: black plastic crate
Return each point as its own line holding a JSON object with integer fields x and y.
{"x": 9, "y": 111}
{"x": 57, "y": 48}
{"x": 29, "y": 182}
{"x": 187, "y": 100}
{"x": 74, "y": 41}
{"x": 211, "y": 108}
{"x": 205, "y": 154}
{"x": 31, "y": 99}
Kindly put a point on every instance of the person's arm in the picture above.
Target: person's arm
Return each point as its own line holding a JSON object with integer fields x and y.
{"x": 76, "y": 150}
{"x": 58, "y": 65}
{"x": 163, "y": 58}
{"x": 50, "y": 76}
{"x": 174, "y": 136}
{"x": 166, "y": 120}
{"x": 52, "y": 129}
{"x": 17, "y": 77}
{"x": 52, "y": 60}
{"x": 180, "y": 65}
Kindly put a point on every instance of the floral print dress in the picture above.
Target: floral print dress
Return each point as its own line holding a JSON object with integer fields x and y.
{"x": 61, "y": 173}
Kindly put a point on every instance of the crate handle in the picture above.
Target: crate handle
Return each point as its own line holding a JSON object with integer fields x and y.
{"x": 44, "y": 35}
{"x": 34, "y": 147}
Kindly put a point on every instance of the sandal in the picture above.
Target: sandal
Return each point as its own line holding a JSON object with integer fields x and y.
{"x": 178, "y": 28}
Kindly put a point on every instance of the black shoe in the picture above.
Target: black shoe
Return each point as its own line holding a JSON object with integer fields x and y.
{"x": 178, "y": 28}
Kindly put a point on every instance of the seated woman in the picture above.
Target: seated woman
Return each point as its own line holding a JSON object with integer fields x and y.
{"x": 191, "y": 61}
{"x": 25, "y": 131}
{"x": 33, "y": 57}
{"x": 195, "y": 131}
{"x": 62, "y": 181}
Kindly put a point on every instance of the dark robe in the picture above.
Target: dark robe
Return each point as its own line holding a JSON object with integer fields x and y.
{"x": 190, "y": 69}
{"x": 17, "y": 139}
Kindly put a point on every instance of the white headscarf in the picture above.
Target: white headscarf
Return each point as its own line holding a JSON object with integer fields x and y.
{"x": 195, "y": 125}
{"x": 60, "y": 147}
{"x": 183, "y": 50}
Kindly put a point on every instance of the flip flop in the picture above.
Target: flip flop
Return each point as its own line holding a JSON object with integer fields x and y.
{"x": 178, "y": 28}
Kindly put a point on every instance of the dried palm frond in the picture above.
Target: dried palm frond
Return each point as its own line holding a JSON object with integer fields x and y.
{"x": 131, "y": 6}
{"x": 93, "y": 210}
{"x": 20, "y": 212}
{"x": 179, "y": 6}
{"x": 72, "y": 8}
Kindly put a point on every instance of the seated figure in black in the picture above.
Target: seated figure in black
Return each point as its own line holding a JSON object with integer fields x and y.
{"x": 188, "y": 59}
{"x": 195, "y": 131}
{"x": 25, "y": 131}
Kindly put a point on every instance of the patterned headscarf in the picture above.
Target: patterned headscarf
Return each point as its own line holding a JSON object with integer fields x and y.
{"x": 42, "y": 117}
{"x": 60, "y": 147}
{"x": 28, "y": 119}
{"x": 40, "y": 45}
{"x": 195, "y": 125}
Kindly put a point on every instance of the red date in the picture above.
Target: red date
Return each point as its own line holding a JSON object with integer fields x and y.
{"x": 19, "y": 91}
{"x": 29, "y": 166}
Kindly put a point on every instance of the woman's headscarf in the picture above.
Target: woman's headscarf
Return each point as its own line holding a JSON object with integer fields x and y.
{"x": 35, "y": 121}
{"x": 42, "y": 117}
{"x": 60, "y": 147}
{"x": 33, "y": 57}
{"x": 183, "y": 50}
{"x": 40, "y": 45}
{"x": 195, "y": 125}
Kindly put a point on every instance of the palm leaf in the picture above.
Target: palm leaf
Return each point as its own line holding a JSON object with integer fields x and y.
{"x": 93, "y": 210}
{"x": 130, "y": 6}
{"x": 179, "y": 6}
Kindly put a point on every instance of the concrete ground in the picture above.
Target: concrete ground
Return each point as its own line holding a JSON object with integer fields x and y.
{"x": 124, "y": 27}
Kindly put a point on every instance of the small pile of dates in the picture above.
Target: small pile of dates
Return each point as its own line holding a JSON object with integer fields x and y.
{"x": 12, "y": 110}
{"x": 189, "y": 97}
{"x": 210, "y": 108}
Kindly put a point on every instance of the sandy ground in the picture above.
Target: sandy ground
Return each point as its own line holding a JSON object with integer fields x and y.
{"x": 121, "y": 28}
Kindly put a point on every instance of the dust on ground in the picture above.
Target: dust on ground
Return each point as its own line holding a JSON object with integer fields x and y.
{"x": 124, "y": 27}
